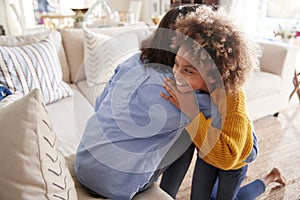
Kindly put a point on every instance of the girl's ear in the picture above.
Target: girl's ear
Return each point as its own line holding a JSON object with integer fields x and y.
{"x": 211, "y": 80}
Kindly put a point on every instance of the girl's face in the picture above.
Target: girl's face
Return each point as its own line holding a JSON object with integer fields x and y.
{"x": 186, "y": 75}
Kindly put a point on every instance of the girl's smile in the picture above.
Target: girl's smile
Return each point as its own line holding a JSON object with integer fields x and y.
{"x": 187, "y": 77}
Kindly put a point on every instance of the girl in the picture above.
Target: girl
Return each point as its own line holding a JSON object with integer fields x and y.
{"x": 214, "y": 57}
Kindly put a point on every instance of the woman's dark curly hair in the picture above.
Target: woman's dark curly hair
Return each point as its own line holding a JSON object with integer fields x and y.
{"x": 234, "y": 54}
{"x": 155, "y": 48}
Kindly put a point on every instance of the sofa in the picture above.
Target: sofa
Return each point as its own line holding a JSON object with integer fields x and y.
{"x": 268, "y": 89}
{"x": 55, "y": 115}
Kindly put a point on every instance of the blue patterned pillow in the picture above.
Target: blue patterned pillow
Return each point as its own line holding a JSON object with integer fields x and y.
{"x": 23, "y": 68}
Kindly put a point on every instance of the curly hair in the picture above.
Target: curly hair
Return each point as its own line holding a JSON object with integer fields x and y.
{"x": 155, "y": 48}
{"x": 234, "y": 54}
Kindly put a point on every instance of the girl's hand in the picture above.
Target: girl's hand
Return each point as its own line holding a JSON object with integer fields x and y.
{"x": 184, "y": 101}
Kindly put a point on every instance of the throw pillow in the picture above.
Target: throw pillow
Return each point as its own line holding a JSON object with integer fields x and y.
{"x": 31, "y": 165}
{"x": 21, "y": 40}
{"x": 24, "y": 68}
{"x": 103, "y": 53}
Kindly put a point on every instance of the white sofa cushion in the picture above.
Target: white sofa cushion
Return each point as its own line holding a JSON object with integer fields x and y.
{"x": 90, "y": 93}
{"x": 36, "y": 65}
{"x": 69, "y": 116}
{"x": 262, "y": 84}
{"x": 31, "y": 167}
{"x": 74, "y": 45}
{"x": 103, "y": 53}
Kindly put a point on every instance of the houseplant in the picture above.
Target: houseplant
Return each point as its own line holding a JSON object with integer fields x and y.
{"x": 79, "y": 19}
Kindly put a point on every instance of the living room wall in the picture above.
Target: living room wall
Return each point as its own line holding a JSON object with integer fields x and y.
{"x": 250, "y": 14}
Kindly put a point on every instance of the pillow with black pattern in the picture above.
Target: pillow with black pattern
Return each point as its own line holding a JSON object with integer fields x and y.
{"x": 31, "y": 165}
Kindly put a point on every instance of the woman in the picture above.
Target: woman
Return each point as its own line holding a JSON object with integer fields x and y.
{"x": 132, "y": 138}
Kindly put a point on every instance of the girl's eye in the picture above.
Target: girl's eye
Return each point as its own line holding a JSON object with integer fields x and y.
{"x": 188, "y": 70}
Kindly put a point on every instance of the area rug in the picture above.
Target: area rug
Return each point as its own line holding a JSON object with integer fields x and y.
{"x": 279, "y": 146}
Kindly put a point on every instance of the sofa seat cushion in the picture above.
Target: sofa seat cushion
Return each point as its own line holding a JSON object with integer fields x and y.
{"x": 90, "y": 93}
{"x": 153, "y": 193}
{"x": 69, "y": 116}
{"x": 31, "y": 165}
{"x": 262, "y": 84}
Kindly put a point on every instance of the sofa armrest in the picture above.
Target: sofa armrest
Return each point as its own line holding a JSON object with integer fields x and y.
{"x": 277, "y": 58}
{"x": 270, "y": 89}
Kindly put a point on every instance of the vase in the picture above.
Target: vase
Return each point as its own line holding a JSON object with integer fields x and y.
{"x": 79, "y": 24}
{"x": 101, "y": 14}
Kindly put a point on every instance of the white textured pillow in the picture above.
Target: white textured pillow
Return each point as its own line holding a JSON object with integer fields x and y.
{"x": 24, "y": 68}
{"x": 103, "y": 53}
{"x": 31, "y": 166}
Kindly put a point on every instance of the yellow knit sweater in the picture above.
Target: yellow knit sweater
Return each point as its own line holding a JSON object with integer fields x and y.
{"x": 225, "y": 149}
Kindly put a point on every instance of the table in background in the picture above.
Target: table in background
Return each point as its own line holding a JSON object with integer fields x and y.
{"x": 58, "y": 22}
{"x": 296, "y": 79}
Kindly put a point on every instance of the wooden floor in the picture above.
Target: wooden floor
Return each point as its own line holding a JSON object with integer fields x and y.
{"x": 279, "y": 146}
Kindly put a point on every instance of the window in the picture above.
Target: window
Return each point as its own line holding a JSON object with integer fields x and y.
{"x": 280, "y": 19}
{"x": 283, "y": 9}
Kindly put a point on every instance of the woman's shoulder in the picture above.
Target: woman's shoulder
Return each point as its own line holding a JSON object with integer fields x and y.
{"x": 131, "y": 58}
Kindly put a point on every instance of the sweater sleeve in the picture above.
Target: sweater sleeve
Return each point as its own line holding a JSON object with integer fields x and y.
{"x": 226, "y": 148}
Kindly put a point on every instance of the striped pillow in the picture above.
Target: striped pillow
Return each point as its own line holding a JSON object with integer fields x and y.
{"x": 24, "y": 68}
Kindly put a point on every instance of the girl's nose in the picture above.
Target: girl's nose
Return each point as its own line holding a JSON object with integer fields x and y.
{"x": 176, "y": 70}
{"x": 178, "y": 75}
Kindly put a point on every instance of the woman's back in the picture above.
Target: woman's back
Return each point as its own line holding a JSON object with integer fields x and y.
{"x": 131, "y": 131}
